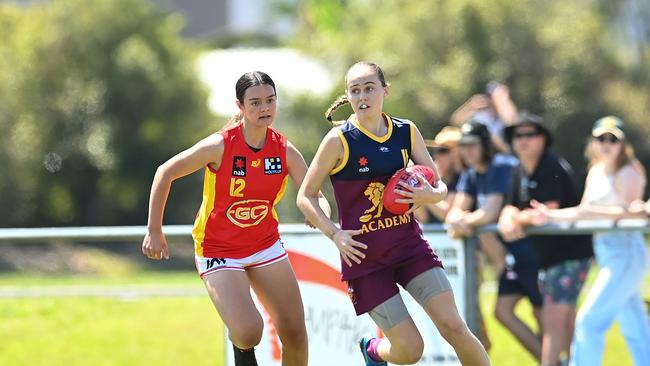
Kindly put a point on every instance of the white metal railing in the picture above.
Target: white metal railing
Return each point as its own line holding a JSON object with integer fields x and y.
{"x": 127, "y": 233}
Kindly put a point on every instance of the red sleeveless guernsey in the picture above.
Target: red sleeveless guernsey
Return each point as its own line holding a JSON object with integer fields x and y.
{"x": 237, "y": 217}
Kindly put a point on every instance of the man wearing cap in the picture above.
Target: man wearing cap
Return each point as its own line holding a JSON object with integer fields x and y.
{"x": 482, "y": 189}
{"x": 564, "y": 260}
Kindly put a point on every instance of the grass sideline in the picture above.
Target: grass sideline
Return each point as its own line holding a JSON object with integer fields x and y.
{"x": 162, "y": 330}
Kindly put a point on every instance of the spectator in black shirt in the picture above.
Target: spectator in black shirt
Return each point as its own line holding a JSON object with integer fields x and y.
{"x": 482, "y": 189}
{"x": 564, "y": 260}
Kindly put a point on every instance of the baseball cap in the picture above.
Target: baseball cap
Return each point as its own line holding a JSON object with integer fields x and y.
{"x": 474, "y": 132}
{"x": 608, "y": 124}
{"x": 448, "y": 136}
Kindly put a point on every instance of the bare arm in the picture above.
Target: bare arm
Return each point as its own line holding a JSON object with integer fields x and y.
{"x": 504, "y": 106}
{"x": 529, "y": 216}
{"x": 509, "y": 228}
{"x": 206, "y": 152}
{"x": 512, "y": 220}
{"x": 465, "y": 111}
{"x": 329, "y": 155}
{"x": 629, "y": 185}
{"x": 441, "y": 209}
{"x": 460, "y": 206}
{"x": 456, "y": 226}
{"x": 488, "y": 214}
{"x": 297, "y": 171}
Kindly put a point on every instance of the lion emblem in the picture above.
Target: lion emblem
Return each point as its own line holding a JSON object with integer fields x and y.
{"x": 374, "y": 192}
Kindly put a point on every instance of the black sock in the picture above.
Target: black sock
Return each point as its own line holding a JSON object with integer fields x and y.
{"x": 244, "y": 357}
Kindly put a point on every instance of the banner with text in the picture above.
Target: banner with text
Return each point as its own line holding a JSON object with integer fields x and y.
{"x": 332, "y": 325}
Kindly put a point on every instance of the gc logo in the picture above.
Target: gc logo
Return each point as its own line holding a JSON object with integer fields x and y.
{"x": 248, "y": 213}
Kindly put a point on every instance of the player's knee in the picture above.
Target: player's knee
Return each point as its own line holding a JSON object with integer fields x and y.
{"x": 503, "y": 313}
{"x": 247, "y": 334}
{"x": 293, "y": 335}
{"x": 414, "y": 353}
{"x": 411, "y": 352}
{"x": 453, "y": 330}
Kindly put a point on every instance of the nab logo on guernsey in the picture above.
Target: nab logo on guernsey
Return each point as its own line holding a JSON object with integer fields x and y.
{"x": 363, "y": 162}
{"x": 272, "y": 166}
{"x": 239, "y": 166}
{"x": 248, "y": 213}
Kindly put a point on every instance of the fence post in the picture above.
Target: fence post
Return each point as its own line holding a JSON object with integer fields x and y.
{"x": 471, "y": 285}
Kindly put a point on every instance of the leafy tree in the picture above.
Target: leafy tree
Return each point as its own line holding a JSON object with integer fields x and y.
{"x": 93, "y": 96}
{"x": 556, "y": 56}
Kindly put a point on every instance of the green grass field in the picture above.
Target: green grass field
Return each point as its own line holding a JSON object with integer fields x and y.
{"x": 158, "y": 330}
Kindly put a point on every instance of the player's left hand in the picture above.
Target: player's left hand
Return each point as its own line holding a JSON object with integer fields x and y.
{"x": 154, "y": 245}
{"x": 421, "y": 195}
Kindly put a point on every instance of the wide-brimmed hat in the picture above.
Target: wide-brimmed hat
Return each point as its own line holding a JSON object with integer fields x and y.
{"x": 527, "y": 118}
{"x": 447, "y": 137}
{"x": 608, "y": 124}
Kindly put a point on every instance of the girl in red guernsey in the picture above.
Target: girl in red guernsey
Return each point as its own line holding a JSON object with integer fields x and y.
{"x": 360, "y": 155}
{"x": 237, "y": 244}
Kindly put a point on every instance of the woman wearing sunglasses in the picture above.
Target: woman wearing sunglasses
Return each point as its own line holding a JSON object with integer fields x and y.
{"x": 615, "y": 180}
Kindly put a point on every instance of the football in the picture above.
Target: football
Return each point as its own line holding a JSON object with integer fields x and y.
{"x": 405, "y": 175}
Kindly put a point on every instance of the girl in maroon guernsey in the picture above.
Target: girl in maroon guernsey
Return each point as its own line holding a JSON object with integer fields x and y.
{"x": 237, "y": 244}
{"x": 380, "y": 250}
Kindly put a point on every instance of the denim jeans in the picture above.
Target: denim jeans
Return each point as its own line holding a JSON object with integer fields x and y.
{"x": 615, "y": 295}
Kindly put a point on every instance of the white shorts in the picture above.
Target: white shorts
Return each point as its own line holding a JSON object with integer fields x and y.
{"x": 270, "y": 255}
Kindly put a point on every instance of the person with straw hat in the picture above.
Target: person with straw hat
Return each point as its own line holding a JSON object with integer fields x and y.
{"x": 445, "y": 154}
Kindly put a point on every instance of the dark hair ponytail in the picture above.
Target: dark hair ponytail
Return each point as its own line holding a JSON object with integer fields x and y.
{"x": 249, "y": 79}
{"x": 343, "y": 99}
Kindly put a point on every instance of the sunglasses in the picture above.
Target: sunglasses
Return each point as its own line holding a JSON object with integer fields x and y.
{"x": 441, "y": 151}
{"x": 607, "y": 138}
{"x": 526, "y": 135}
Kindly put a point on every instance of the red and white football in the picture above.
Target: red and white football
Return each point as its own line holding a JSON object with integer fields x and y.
{"x": 405, "y": 175}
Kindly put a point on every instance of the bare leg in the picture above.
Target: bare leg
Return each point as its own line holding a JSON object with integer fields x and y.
{"x": 441, "y": 308}
{"x": 505, "y": 314}
{"x": 494, "y": 250}
{"x": 403, "y": 344}
{"x": 558, "y": 320}
{"x": 277, "y": 288}
{"x": 230, "y": 294}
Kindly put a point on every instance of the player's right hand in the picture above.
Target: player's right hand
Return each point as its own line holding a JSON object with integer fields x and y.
{"x": 348, "y": 246}
{"x": 154, "y": 245}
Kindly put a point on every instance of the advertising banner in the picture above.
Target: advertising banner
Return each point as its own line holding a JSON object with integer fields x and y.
{"x": 332, "y": 325}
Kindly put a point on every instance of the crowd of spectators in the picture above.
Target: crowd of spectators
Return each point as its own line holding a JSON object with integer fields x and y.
{"x": 500, "y": 168}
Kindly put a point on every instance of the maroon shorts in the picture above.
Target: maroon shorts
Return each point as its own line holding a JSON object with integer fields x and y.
{"x": 372, "y": 289}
